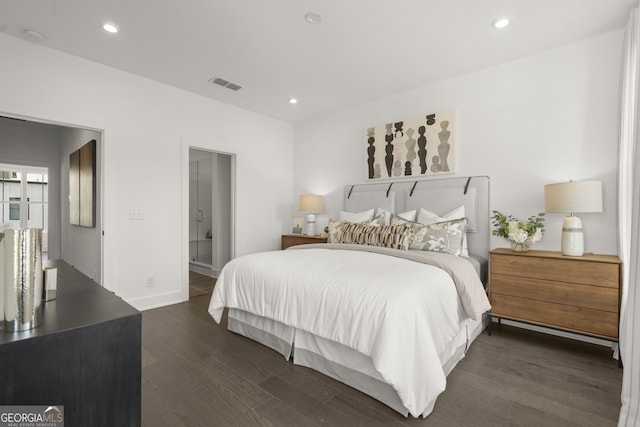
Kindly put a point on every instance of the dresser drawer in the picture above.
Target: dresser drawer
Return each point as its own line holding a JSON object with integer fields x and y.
{"x": 592, "y": 297}
{"x": 573, "y": 271}
{"x": 571, "y": 318}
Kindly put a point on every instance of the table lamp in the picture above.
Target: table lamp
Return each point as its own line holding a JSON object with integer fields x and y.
{"x": 572, "y": 197}
{"x": 311, "y": 204}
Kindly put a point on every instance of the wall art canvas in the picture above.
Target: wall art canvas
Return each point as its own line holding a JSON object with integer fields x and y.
{"x": 418, "y": 147}
{"x": 82, "y": 185}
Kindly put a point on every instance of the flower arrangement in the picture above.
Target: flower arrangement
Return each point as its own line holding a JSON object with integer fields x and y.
{"x": 522, "y": 235}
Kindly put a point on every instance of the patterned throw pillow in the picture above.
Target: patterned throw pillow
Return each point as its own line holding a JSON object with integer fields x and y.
{"x": 446, "y": 236}
{"x": 334, "y": 230}
{"x": 335, "y": 227}
{"x": 408, "y": 215}
{"x": 428, "y": 217}
{"x": 393, "y": 236}
{"x": 376, "y": 220}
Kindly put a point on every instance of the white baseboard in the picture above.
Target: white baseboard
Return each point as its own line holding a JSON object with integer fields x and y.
{"x": 207, "y": 271}
{"x": 157, "y": 301}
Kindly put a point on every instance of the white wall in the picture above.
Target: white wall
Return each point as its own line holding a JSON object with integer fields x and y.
{"x": 24, "y": 143}
{"x": 546, "y": 118}
{"x": 221, "y": 210}
{"x": 144, "y": 124}
{"x": 81, "y": 246}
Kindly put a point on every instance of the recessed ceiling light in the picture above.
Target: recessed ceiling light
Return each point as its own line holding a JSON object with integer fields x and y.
{"x": 293, "y": 101}
{"x": 110, "y": 28}
{"x": 500, "y": 23}
{"x": 312, "y": 18}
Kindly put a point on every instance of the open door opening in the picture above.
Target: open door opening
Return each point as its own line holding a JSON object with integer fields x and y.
{"x": 210, "y": 217}
{"x": 34, "y": 174}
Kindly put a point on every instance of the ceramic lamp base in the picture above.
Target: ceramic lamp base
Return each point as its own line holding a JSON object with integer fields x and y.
{"x": 310, "y": 225}
{"x": 572, "y": 236}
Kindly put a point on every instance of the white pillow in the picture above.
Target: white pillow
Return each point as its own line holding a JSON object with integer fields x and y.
{"x": 356, "y": 216}
{"x": 427, "y": 217}
{"x": 409, "y": 215}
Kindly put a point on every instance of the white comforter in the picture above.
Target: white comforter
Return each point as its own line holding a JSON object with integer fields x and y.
{"x": 399, "y": 312}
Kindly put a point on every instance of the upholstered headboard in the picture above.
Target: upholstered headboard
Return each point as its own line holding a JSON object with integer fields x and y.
{"x": 436, "y": 195}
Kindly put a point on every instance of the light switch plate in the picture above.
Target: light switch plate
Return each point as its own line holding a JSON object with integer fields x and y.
{"x": 135, "y": 214}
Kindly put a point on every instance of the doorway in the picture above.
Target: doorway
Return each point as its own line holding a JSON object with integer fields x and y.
{"x": 210, "y": 217}
{"x": 42, "y": 148}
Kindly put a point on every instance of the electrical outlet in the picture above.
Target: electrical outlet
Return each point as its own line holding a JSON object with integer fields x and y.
{"x": 151, "y": 282}
{"x": 135, "y": 214}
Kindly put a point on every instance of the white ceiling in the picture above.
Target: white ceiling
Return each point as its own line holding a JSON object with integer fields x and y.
{"x": 361, "y": 51}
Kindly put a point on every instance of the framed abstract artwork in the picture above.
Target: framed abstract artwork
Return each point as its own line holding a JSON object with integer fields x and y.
{"x": 82, "y": 185}
{"x": 418, "y": 147}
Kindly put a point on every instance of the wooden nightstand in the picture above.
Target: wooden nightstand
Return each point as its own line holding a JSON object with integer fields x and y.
{"x": 300, "y": 239}
{"x": 576, "y": 294}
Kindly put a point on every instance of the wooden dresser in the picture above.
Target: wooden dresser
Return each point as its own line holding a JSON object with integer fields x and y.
{"x": 576, "y": 294}
{"x": 300, "y": 239}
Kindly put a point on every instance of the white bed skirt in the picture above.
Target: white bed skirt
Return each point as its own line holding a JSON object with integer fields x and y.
{"x": 340, "y": 362}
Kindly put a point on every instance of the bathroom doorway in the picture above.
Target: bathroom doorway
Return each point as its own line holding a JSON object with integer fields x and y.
{"x": 210, "y": 217}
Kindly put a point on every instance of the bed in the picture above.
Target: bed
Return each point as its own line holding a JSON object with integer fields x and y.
{"x": 389, "y": 321}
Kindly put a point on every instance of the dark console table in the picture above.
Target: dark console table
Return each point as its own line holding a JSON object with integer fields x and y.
{"x": 85, "y": 355}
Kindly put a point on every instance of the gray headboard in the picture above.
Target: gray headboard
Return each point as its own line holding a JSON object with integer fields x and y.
{"x": 436, "y": 195}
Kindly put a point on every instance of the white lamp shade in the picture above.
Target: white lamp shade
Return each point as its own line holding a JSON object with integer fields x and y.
{"x": 311, "y": 203}
{"x": 573, "y": 196}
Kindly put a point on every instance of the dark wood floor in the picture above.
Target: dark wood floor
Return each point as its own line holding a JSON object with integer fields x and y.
{"x": 196, "y": 373}
{"x": 199, "y": 284}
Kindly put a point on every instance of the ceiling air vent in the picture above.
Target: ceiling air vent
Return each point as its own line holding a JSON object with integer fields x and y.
{"x": 225, "y": 83}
